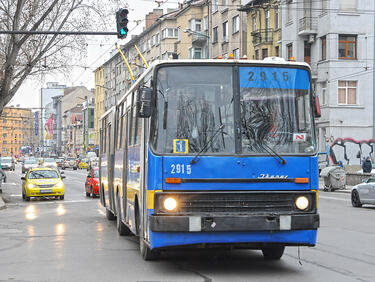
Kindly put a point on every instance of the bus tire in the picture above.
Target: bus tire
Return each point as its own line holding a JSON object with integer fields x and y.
{"x": 109, "y": 215}
{"x": 122, "y": 229}
{"x": 273, "y": 252}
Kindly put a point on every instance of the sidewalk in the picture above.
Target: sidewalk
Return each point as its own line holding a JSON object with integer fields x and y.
{"x": 348, "y": 188}
{"x": 2, "y": 204}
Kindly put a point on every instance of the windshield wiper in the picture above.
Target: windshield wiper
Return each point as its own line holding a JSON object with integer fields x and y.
{"x": 194, "y": 161}
{"x": 275, "y": 155}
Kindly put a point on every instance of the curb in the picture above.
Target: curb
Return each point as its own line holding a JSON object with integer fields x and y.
{"x": 344, "y": 191}
{"x": 2, "y": 204}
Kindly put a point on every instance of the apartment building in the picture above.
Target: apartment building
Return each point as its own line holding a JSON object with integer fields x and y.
{"x": 99, "y": 102}
{"x": 263, "y": 28}
{"x": 336, "y": 37}
{"x": 228, "y": 28}
{"x": 16, "y": 131}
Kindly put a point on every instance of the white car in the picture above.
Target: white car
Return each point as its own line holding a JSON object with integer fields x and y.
{"x": 364, "y": 193}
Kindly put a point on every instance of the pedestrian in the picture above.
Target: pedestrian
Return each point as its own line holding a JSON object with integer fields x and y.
{"x": 367, "y": 165}
{"x": 2, "y": 174}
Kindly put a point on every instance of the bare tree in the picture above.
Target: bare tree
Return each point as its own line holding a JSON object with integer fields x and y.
{"x": 25, "y": 55}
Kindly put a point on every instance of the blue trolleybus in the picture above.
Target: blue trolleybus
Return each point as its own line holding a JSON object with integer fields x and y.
{"x": 213, "y": 153}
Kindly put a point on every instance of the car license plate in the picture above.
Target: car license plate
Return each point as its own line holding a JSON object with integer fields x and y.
{"x": 45, "y": 191}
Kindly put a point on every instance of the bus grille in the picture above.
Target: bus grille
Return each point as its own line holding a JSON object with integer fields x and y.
{"x": 239, "y": 203}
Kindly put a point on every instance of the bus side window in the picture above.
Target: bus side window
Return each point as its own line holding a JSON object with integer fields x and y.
{"x": 135, "y": 126}
{"x": 124, "y": 121}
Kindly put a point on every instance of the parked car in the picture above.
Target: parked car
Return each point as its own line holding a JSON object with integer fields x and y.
{"x": 8, "y": 163}
{"x": 92, "y": 183}
{"x": 82, "y": 164}
{"x": 40, "y": 161}
{"x": 49, "y": 162}
{"x": 43, "y": 182}
{"x": 29, "y": 163}
{"x": 60, "y": 162}
{"x": 70, "y": 163}
{"x": 364, "y": 193}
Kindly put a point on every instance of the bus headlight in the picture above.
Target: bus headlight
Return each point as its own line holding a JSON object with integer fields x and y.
{"x": 30, "y": 185}
{"x": 170, "y": 204}
{"x": 59, "y": 184}
{"x": 302, "y": 203}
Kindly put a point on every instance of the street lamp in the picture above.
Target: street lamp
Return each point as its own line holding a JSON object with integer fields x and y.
{"x": 208, "y": 38}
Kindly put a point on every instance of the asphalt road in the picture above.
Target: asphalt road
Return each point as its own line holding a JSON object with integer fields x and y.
{"x": 71, "y": 240}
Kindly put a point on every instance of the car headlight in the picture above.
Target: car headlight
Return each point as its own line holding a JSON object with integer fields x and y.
{"x": 302, "y": 203}
{"x": 59, "y": 184}
{"x": 30, "y": 185}
{"x": 170, "y": 204}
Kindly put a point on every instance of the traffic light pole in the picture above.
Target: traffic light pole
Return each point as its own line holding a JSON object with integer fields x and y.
{"x": 58, "y": 32}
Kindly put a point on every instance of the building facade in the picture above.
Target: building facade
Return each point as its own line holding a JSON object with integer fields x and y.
{"x": 263, "y": 28}
{"x": 17, "y": 131}
{"x": 337, "y": 39}
{"x": 228, "y": 28}
{"x": 99, "y": 102}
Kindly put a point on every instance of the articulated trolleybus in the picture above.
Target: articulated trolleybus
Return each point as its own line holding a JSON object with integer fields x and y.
{"x": 213, "y": 153}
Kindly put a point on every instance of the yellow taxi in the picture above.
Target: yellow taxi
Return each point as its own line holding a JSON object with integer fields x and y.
{"x": 83, "y": 164}
{"x": 43, "y": 182}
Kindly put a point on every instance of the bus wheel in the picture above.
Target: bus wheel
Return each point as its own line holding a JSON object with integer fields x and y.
{"x": 146, "y": 252}
{"x": 273, "y": 252}
{"x": 122, "y": 229}
{"x": 109, "y": 215}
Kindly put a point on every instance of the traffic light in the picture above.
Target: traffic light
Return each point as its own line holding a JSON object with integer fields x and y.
{"x": 122, "y": 23}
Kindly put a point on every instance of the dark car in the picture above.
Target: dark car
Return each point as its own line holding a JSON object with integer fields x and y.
{"x": 8, "y": 163}
{"x": 92, "y": 183}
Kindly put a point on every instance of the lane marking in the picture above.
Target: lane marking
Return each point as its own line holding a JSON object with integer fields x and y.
{"x": 334, "y": 198}
{"x": 10, "y": 183}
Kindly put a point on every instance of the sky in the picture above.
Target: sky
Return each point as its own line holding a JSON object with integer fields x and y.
{"x": 99, "y": 48}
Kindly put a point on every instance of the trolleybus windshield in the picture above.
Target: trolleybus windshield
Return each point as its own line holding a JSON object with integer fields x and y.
{"x": 194, "y": 102}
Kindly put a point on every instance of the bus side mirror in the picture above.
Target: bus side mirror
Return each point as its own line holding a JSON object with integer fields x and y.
{"x": 317, "y": 107}
{"x": 144, "y": 98}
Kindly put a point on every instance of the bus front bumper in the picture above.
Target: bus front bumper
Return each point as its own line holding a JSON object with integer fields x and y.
{"x": 235, "y": 223}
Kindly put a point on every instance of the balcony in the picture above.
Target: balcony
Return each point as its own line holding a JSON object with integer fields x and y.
{"x": 307, "y": 26}
{"x": 199, "y": 38}
{"x": 262, "y": 36}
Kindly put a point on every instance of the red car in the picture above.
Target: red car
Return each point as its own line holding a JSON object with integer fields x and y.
{"x": 92, "y": 183}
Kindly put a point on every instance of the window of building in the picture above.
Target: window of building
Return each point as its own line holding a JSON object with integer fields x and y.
{"x": 236, "y": 53}
{"x": 169, "y": 33}
{"x": 195, "y": 25}
{"x": 215, "y": 5}
{"x": 224, "y": 5}
{"x": 289, "y": 7}
{"x": 205, "y": 23}
{"x": 157, "y": 38}
{"x": 256, "y": 54}
{"x": 277, "y": 51}
{"x": 153, "y": 40}
{"x": 195, "y": 53}
{"x": 347, "y": 92}
{"x": 215, "y": 36}
{"x": 254, "y": 22}
{"x": 236, "y": 24}
{"x": 264, "y": 53}
{"x": 347, "y": 47}
{"x": 324, "y": 47}
{"x": 277, "y": 17}
{"x": 348, "y": 5}
{"x": 289, "y": 49}
{"x": 324, "y": 93}
{"x": 225, "y": 31}
{"x": 4, "y": 135}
